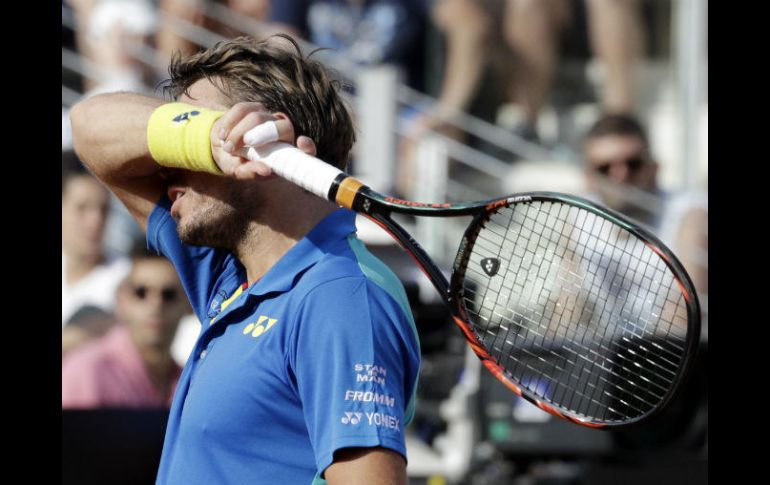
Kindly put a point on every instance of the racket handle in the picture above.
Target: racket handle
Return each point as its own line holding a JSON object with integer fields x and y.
{"x": 296, "y": 166}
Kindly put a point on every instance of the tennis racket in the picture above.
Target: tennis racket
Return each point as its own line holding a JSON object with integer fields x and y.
{"x": 572, "y": 306}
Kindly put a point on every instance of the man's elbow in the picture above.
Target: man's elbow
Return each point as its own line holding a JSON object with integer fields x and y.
{"x": 79, "y": 120}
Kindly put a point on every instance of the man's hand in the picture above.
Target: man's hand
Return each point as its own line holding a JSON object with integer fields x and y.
{"x": 229, "y": 147}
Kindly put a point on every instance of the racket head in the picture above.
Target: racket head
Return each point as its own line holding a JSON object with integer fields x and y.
{"x": 575, "y": 308}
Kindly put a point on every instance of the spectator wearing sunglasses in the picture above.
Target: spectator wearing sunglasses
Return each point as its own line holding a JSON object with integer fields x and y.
{"x": 623, "y": 174}
{"x": 131, "y": 366}
{"x": 617, "y": 156}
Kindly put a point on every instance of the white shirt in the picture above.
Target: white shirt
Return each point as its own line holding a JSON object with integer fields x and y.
{"x": 97, "y": 288}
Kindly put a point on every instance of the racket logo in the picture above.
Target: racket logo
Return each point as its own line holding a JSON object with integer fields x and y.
{"x": 490, "y": 266}
{"x": 410, "y": 203}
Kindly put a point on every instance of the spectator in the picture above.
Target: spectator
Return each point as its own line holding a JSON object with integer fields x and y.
{"x": 617, "y": 157}
{"x": 132, "y": 365}
{"x": 108, "y": 31}
{"x": 530, "y": 30}
{"x": 175, "y": 13}
{"x": 85, "y": 324}
{"x": 368, "y": 32}
{"x": 617, "y": 154}
{"x": 685, "y": 228}
{"x": 89, "y": 274}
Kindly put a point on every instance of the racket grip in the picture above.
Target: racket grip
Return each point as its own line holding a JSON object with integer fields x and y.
{"x": 296, "y": 166}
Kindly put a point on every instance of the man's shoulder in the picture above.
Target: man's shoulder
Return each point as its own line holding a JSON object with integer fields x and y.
{"x": 340, "y": 274}
{"x": 350, "y": 259}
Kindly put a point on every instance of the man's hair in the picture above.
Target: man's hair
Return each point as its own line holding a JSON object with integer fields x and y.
{"x": 276, "y": 74}
{"x": 617, "y": 124}
{"x": 87, "y": 314}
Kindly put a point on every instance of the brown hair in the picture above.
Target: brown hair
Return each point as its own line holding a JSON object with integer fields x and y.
{"x": 617, "y": 124}
{"x": 283, "y": 80}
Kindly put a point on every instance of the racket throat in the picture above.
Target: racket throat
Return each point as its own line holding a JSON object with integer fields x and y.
{"x": 344, "y": 190}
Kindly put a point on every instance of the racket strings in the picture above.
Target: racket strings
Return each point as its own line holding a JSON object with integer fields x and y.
{"x": 580, "y": 312}
{"x": 566, "y": 367}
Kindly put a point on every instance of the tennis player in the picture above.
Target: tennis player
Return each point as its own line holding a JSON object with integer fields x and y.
{"x": 306, "y": 365}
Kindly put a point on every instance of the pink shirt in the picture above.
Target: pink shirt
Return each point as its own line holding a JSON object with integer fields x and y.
{"x": 110, "y": 373}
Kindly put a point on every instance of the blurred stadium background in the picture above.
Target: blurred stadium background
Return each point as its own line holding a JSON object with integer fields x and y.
{"x": 468, "y": 429}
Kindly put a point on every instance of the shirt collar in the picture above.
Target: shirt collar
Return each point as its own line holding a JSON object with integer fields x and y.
{"x": 308, "y": 250}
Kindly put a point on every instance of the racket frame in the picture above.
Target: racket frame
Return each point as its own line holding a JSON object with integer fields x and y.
{"x": 378, "y": 208}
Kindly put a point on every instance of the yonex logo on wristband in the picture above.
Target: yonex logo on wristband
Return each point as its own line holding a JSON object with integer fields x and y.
{"x": 185, "y": 117}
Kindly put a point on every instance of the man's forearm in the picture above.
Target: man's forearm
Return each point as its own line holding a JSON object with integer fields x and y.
{"x": 109, "y": 133}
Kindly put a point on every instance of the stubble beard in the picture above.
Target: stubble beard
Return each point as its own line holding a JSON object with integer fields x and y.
{"x": 218, "y": 225}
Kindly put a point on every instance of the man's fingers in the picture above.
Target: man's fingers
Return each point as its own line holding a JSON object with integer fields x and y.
{"x": 279, "y": 129}
{"x": 285, "y": 128}
{"x": 235, "y": 139}
{"x": 267, "y": 132}
{"x": 246, "y": 125}
{"x": 252, "y": 170}
{"x": 232, "y": 116}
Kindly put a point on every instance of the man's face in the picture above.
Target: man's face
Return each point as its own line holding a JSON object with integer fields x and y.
{"x": 152, "y": 302}
{"x": 618, "y": 159}
{"x": 84, "y": 207}
{"x": 210, "y": 210}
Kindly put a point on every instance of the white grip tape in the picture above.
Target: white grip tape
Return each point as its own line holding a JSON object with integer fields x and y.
{"x": 294, "y": 165}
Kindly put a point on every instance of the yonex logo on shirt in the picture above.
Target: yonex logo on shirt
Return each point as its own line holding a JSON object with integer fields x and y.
{"x": 258, "y": 328}
{"x": 351, "y": 418}
{"x": 380, "y": 420}
{"x": 383, "y": 420}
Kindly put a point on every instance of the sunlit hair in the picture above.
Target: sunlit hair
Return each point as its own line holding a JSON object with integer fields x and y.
{"x": 275, "y": 73}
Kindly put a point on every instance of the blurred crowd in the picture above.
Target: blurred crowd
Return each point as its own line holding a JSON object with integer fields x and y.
{"x": 122, "y": 307}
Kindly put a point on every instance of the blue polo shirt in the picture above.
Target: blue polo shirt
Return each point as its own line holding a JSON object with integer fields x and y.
{"x": 320, "y": 354}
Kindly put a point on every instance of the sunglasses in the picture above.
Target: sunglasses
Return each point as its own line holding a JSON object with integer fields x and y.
{"x": 634, "y": 164}
{"x": 167, "y": 295}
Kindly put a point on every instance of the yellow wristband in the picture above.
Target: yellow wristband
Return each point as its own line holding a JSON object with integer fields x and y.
{"x": 179, "y": 136}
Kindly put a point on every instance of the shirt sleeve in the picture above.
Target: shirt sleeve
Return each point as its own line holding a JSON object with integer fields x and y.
{"x": 208, "y": 275}
{"x": 355, "y": 360}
